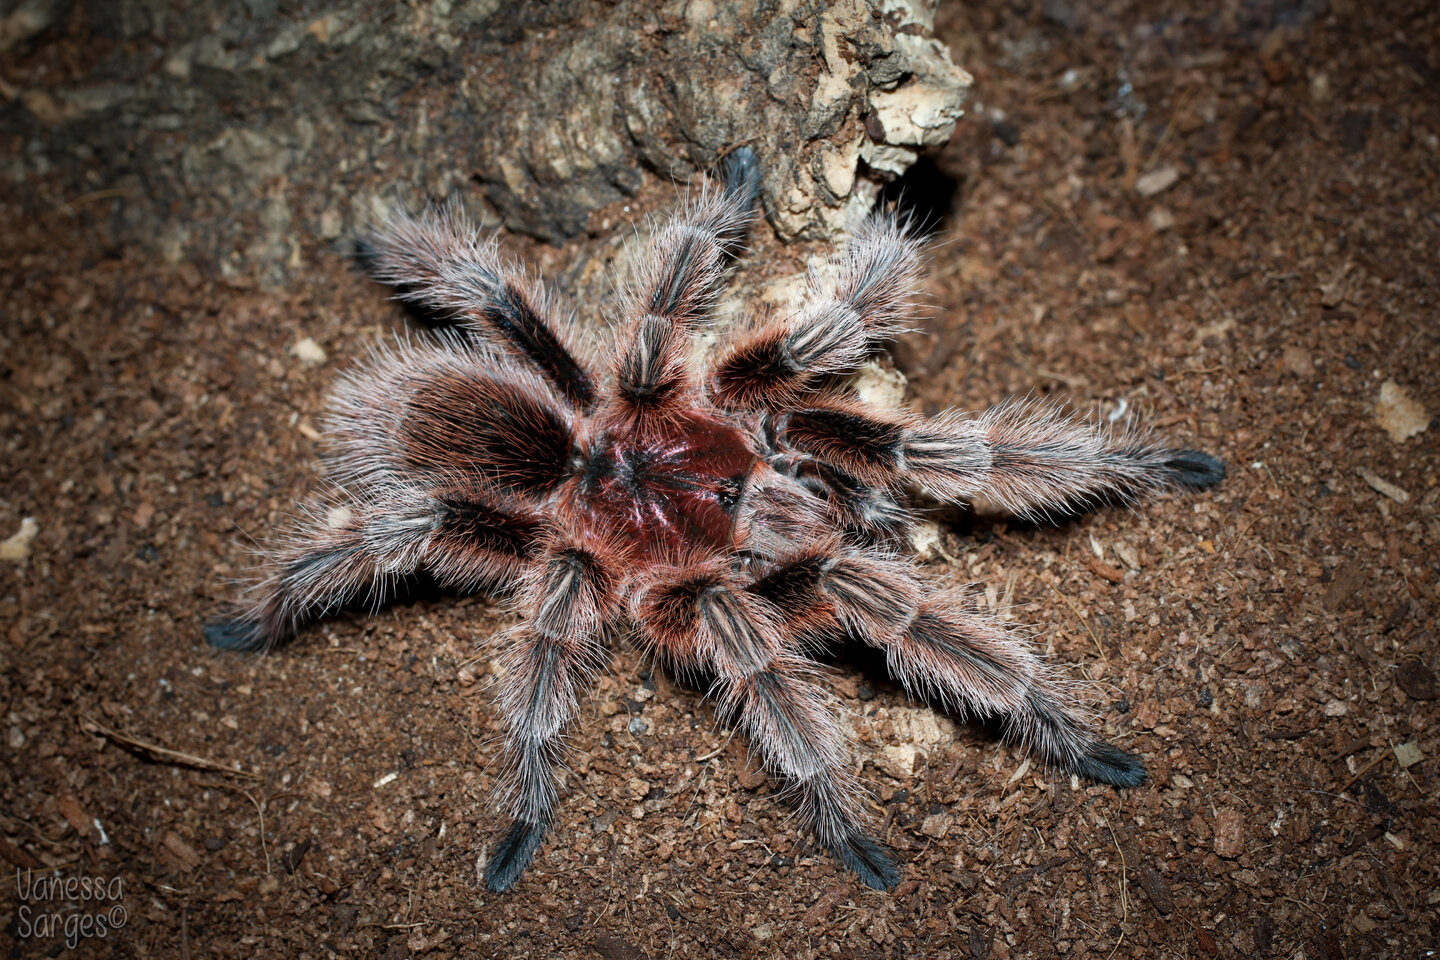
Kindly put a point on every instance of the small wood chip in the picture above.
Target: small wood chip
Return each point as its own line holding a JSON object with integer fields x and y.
{"x": 1127, "y": 555}
{"x": 1416, "y": 679}
{"x": 1408, "y": 754}
{"x": 75, "y": 815}
{"x": 17, "y": 856}
{"x": 292, "y": 858}
{"x": 751, "y": 772}
{"x": 1102, "y": 569}
{"x": 822, "y": 907}
{"x": 1397, "y": 414}
{"x": 1155, "y": 888}
{"x": 1230, "y": 834}
{"x": 1347, "y": 580}
{"x": 187, "y": 855}
{"x": 1381, "y": 485}
{"x": 1264, "y": 934}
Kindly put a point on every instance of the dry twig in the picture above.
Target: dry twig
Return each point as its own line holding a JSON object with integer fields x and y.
{"x": 159, "y": 754}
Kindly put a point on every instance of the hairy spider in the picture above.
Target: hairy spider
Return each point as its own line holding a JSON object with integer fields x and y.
{"x": 736, "y": 513}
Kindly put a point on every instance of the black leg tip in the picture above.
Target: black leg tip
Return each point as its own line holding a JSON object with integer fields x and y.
{"x": 243, "y": 636}
{"x": 1194, "y": 470}
{"x": 514, "y": 854}
{"x": 870, "y": 861}
{"x": 367, "y": 257}
{"x": 740, "y": 173}
{"x": 1106, "y": 763}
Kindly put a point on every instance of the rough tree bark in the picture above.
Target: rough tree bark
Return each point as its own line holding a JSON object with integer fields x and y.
{"x": 228, "y": 127}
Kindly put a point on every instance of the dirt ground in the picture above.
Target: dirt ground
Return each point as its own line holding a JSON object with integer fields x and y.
{"x": 1228, "y": 220}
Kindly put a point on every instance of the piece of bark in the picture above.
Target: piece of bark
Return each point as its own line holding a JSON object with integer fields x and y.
{"x": 236, "y": 139}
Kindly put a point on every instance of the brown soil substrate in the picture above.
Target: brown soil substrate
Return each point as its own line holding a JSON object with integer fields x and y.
{"x": 1225, "y": 219}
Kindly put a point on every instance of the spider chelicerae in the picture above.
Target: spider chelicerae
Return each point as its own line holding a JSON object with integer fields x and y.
{"x": 735, "y": 512}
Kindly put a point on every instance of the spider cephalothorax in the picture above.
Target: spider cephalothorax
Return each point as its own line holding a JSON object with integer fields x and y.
{"x": 735, "y": 512}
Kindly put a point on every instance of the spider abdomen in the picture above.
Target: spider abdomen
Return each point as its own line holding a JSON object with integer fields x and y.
{"x": 668, "y": 487}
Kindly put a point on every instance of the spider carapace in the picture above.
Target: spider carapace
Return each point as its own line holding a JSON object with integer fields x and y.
{"x": 673, "y": 483}
{"x": 733, "y": 512}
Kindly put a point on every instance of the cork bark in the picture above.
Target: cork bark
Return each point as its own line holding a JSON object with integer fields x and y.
{"x": 232, "y": 127}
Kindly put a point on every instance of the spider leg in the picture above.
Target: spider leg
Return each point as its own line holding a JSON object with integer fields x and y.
{"x": 439, "y": 261}
{"x": 354, "y": 550}
{"x": 870, "y": 512}
{"x": 570, "y": 599}
{"x": 696, "y": 618}
{"x": 859, "y": 301}
{"x": 967, "y": 660}
{"x": 675, "y": 288}
{"x": 941, "y": 647}
{"x": 1027, "y": 457}
{"x": 436, "y": 412}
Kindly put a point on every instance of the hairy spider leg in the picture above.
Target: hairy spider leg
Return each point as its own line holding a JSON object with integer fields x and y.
{"x": 940, "y": 647}
{"x": 868, "y": 513}
{"x": 697, "y": 618}
{"x": 347, "y": 550}
{"x": 571, "y": 599}
{"x": 1042, "y": 460}
{"x": 440, "y": 261}
{"x": 871, "y": 513}
{"x": 1026, "y": 456}
{"x": 672, "y": 294}
{"x": 861, "y": 299}
{"x": 952, "y": 653}
{"x": 434, "y": 412}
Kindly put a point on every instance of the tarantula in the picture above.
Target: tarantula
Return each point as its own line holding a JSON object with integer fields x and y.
{"x": 735, "y": 511}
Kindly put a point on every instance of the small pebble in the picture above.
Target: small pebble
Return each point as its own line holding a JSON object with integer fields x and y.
{"x": 308, "y": 352}
{"x": 1161, "y": 219}
{"x": 1398, "y": 414}
{"x": 1297, "y": 360}
{"x": 1157, "y": 181}
{"x": 17, "y": 547}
